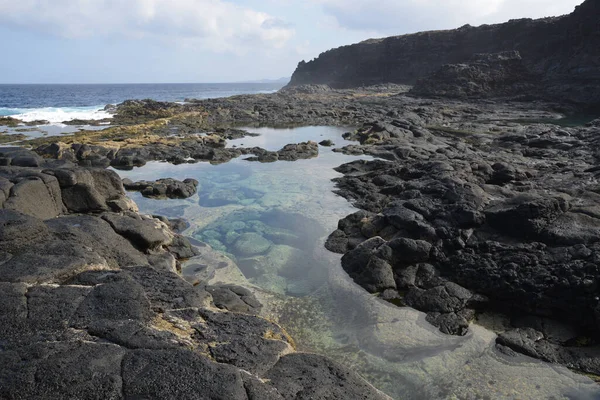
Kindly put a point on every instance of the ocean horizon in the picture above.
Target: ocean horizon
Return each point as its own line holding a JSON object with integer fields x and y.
{"x": 58, "y": 103}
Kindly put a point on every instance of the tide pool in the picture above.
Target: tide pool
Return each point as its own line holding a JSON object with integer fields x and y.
{"x": 271, "y": 221}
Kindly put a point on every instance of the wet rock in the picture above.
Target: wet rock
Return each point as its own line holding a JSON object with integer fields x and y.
{"x": 170, "y": 188}
{"x": 181, "y": 248}
{"x": 447, "y": 298}
{"x": 533, "y": 343}
{"x": 308, "y": 376}
{"x": 290, "y": 152}
{"x": 451, "y": 323}
{"x": 232, "y": 134}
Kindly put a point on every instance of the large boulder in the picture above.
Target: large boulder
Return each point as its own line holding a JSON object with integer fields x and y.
{"x": 39, "y": 196}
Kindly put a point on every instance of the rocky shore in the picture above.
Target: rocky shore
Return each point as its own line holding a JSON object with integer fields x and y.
{"x": 469, "y": 207}
{"x": 93, "y": 306}
{"x": 479, "y": 204}
{"x": 471, "y": 222}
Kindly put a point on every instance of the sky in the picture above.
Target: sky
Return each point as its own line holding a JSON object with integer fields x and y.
{"x": 155, "y": 41}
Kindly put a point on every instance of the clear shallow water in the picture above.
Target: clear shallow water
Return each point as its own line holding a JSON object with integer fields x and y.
{"x": 272, "y": 219}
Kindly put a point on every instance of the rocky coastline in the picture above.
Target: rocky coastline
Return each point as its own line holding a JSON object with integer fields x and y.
{"x": 469, "y": 208}
{"x": 558, "y": 55}
{"x": 480, "y": 202}
{"x": 93, "y": 305}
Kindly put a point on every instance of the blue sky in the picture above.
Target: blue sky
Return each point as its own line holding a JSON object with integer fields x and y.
{"x": 131, "y": 41}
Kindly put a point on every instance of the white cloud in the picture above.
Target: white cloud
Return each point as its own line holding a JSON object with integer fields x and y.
{"x": 405, "y": 16}
{"x": 210, "y": 24}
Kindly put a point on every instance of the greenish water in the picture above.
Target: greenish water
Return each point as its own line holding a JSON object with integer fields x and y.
{"x": 272, "y": 220}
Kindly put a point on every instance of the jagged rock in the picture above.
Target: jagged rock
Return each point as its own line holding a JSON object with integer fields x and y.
{"x": 170, "y": 188}
{"x": 485, "y": 75}
{"x": 533, "y": 343}
{"x": 256, "y": 390}
{"x": 146, "y": 233}
{"x": 290, "y": 152}
{"x": 101, "y": 290}
{"x": 181, "y": 248}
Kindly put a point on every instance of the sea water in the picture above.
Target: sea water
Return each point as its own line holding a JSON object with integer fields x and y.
{"x": 282, "y": 213}
{"x": 60, "y": 103}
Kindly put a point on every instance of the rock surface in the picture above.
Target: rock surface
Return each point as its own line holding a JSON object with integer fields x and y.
{"x": 171, "y": 188}
{"x": 485, "y": 75}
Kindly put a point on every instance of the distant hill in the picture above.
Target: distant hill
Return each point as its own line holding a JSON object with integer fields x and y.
{"x": 283, "y": 81}
{"x": 561, "y": 53}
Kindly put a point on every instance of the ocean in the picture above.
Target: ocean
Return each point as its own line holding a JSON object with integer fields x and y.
{"x": 58, "y": 103}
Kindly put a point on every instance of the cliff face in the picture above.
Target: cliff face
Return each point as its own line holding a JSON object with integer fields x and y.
{"x": 563, "y": 52}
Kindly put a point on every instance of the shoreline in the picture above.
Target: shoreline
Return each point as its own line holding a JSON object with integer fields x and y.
{"x": 396, "y": 129}
{"x": 91, "y": 287}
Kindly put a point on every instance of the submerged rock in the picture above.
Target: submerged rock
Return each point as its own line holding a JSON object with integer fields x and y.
{"x": 250, "y": 244}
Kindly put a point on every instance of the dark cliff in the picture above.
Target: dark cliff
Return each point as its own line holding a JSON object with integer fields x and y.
{"x": 562, "y": 52}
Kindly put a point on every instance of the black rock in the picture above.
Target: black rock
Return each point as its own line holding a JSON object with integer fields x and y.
{"x": 308, "y": 376}
{"x": 170, "y": 188}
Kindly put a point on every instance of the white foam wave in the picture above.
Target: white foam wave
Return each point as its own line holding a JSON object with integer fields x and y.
{"x": 56, "y": 115}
